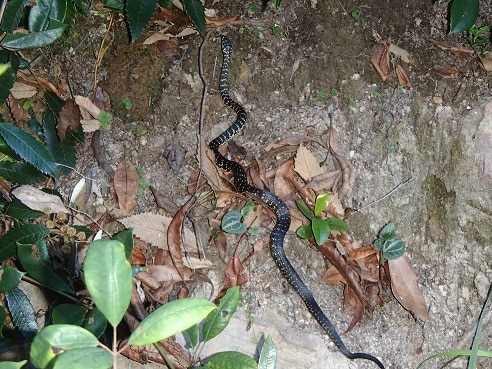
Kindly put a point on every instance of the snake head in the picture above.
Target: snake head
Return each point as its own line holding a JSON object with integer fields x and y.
{"x": 226, "y": 45}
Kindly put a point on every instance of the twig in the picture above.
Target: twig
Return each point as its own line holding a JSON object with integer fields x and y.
{"x": 385, "y": 196}
{"x": 2, "y": 9}
{"x": 102, "y": 51}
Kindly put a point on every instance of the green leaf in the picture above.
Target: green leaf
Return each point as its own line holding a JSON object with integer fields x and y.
{"x": 9, "y": 279}
{"x": 18, "y": 210}
{"x": 54, "y": 339}
{"x": 219, "y": 318}
{"x": 231, "y": 223}
{"x": 13, "y": 364}
{"x": 196, "y": 12}
{"x": 68, "y": 314}
{"x": 39, "y": 15}
{"x": 337, "y": 224}
{"x": 14, "y": 10}
{"x": 138, "y": 15}
{"x": 268, "y": 355}
{"x": 83, "y": 358}
{"x": 463, "y": 15}
{"x": 305, "y": 232}
{"x": 3, "y": 316}
{"x": 20, "y": 172}
{"x": 322, "y": 201}
{"x": 321, "y": 230}
{"x": 393, "y": 249}
{"x": 40, "y": 271}
{"x": 231, "y": 360}
{"x": 110, "y": 285}
{"x": 7, "y": 79}
{"x": 304, "y": 209}
{"x": 35, "y": 40}
{"x": 388, "y": 231}
{"x": 174, "y": 317}
{"x": 28, "y": 148}
{"x": 95, "y": 322}
{"x": 193, "y": 335}
{"x": 22, "y": 312}
{"x": 126, "y": 238}
{"x": 115, "y": 5}
{"x": 24, "y": 234}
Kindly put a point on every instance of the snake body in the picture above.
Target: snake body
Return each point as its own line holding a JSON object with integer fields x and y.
{"x": 277, "y": 205}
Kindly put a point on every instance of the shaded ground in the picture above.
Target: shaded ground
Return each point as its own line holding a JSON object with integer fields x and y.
{"x": 437, "y": 133}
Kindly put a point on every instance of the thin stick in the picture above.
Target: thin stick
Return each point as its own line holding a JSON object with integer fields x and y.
{"x": 385, "y": 196}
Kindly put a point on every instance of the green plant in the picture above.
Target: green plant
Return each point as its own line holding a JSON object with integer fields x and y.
{"x": 463, "y": 15}
{"x": 390, "y": 245}
{"x": 277, "y": 30}
{"x": 319, "y": 228}
{"x": 320, "y": 95}
{"x": 232, "y": 222}
{"x": 475, "y": 352}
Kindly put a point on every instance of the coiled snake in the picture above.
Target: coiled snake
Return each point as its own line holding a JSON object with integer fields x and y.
{"x": 279, "y": 208}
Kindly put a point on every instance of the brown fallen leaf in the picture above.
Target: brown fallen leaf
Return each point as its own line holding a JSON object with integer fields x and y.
{"x": 125, "y": 185}
{"x": 486, "y": 62}
{"x": 381, "y": 62}
{"x": 306, "y": 164}
{"x": 18, "y": 112}
{"x": 457, "y": 50}
{"x": 39, "y": 200}
{"x": 23, "y": 90}
{"x": 402, "y": 77}
{"x": 449, "y": 71}
{"x": 235, "y": 274}
{"x": 37, "y": 81}
{"x": 404, "y": 285}
{"x": 69, "y": 119}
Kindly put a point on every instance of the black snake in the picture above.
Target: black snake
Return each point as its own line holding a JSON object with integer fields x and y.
{"x": 280, "y": 209}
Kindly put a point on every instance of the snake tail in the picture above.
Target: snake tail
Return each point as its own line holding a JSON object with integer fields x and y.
{"x": 277, "y": 205}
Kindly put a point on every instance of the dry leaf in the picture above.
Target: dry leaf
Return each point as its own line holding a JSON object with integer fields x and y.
{"x": 402, "y": 77}
{"x": 306, "y": 164}
{"x": 487, "y": 62}
{"x": 18, "y": 112}
{"x": 457, "y": 50}
{"x": 125, "y": 185}
{"x": 404, "y": 285}
{"x": 68, "y": 120}
{"x": 23, "y": 90}
{"x": 381, "y": 62}
{"x": 449, "y": 71}
{"x": 39, "y": 200}
{"x": 235, "y": 274}
{"x": 87, "y": 105}
{"x": 90, "y": 125}
{"x": 37, "y": 81}
{"x": 152, "y": 228}
{"x": 403, "y": 54}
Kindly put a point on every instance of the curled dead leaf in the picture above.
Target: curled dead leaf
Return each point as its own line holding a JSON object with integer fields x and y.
{"x": 402, "y": 77}
{"x": 404, "y": 285}
{"x": 381, "y": 62}
{"x": 39, "y": 200}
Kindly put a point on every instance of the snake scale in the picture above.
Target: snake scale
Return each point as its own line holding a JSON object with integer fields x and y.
{"x": 279, "y": 208}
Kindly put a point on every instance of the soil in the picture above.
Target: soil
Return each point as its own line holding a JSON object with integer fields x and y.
{"x": 316, "y": 72}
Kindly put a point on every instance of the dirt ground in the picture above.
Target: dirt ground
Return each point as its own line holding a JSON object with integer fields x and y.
{"x": 437, "y": 133}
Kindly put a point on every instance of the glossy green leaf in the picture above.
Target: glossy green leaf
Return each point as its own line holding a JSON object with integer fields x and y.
{"x": 138, "y": 15}
{"x": 174, "y": 317}
{"x": 321, "y": 230}
{"x": 463, "y": 15}
{"x": 95, "y": 322}
{"x": 196, "y": 12}
{"x": 39, "y": 15}
{"x": 39, "y": 271}
{"x": 68, "y": 314}
{"x": 14, "y": 10}
{"x": 393, "y": 248}
{"x": 126, "y": 238}
{"x": 231, "y": 223}
{"x": 24, "y": 234}
{"x": 22, "y": 312}
{"x": 304, "y": 209}
{"x": 193, "y": 334}
{"x": 9, "y": 278}
{"x": 231, "y": 360}
{"x": 388, "y": 231}
{"x": 54, "y": 339}
{"x": 18, "y": 210}
{"x": 7, "y": 79}
{"x": 268, "y": 355}
{"x": 13, "y": 364}
{"x": 28, "y": 148}
{"x": 305, "y": 232}
{"x": 84, "y": 358}
{"x": 337, "y": 224}
{"x": 21, "y": 172}
{"x": 109, "y": 284}
{"x": 34, "y": 40}
{"x": 219, "y": 318}
{"x": 115, "y": 5}
{"x": 322, "y": 201}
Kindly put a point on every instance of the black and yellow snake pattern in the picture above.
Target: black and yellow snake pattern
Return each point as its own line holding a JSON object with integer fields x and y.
{"x": 280, "y": 209}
